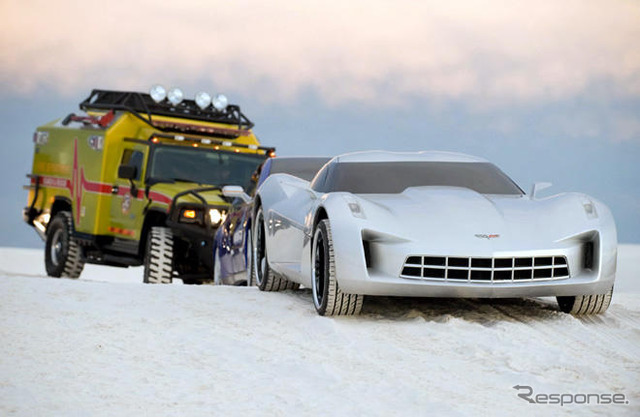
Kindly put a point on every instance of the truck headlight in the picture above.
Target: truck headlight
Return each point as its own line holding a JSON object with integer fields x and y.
{"x": 217, "y": 216}
{"x": 191, "y": 215}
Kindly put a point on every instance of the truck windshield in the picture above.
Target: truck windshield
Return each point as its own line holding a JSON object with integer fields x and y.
{"x": 395, "y": 177}
{"x": 203, "y": 166}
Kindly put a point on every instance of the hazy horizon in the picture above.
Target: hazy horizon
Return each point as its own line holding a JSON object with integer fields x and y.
{"x": 548, "y": 91}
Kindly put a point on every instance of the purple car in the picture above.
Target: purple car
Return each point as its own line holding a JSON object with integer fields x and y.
{"x": 232, "y": 241}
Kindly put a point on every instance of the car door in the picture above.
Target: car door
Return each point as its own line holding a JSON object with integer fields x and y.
{"x": 287, "y": 223}
{"x": 127, "y": 202}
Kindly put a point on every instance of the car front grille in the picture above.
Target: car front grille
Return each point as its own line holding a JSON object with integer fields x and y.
{"x": 515, "y": 269}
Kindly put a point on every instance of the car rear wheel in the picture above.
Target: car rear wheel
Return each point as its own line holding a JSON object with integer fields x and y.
{"x": 585, "y": 304}
{"x": 63, "y": 255}
{"x": 248, "y": 252}
{"x": 217, "y": 278}
{"x": 328, "y": 298}
{"x": 158, "y": 260}
{"x": 264, "y": 277}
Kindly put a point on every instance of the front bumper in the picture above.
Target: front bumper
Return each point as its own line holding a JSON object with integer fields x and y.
{"x": 381, "y": 271}
{"x": 393, "y": 286}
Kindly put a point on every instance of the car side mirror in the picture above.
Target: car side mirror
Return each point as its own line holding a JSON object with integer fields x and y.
{"x": 128, "y": 172}
{"x": 235, "y": 191}
{"x": 537, "y": 187}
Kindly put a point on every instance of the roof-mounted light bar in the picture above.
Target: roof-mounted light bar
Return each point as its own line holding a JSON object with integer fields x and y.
{"x": 210, "y": 141}
{"x": 175, "y": 96}
{"x": 168, "y": 103}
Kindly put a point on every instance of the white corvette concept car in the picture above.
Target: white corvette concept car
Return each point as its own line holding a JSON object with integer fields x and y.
{"x": 429, "y": 224}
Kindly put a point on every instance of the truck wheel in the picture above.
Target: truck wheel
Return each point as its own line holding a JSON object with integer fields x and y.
{"x": 585, "y": 304}
{"x": 158, "y": 260}
{"x": 264, "y": 277}
{"x": 328, "y": 299}
{"x": 63, "y": 255}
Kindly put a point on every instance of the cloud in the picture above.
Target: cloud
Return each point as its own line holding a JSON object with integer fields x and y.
{"x": 376, "y": 51}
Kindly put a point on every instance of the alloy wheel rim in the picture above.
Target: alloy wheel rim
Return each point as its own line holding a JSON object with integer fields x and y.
{"x": 319, "y": 270}
{"x": 56, "y": 247}
{"x": 259, "y": 251}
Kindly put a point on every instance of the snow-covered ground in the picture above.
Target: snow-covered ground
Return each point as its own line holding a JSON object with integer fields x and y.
{"x": 106, "y": 345}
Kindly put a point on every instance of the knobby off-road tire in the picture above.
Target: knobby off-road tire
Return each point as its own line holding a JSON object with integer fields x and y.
{"x": 158, "y": 260}
{"x": 328, "y": 298}
{"x": 585, "y": 304}
{"x": 63, "y": 254}
{"x": 264, "y": 277}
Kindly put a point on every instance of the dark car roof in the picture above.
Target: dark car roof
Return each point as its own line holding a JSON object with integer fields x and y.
{"x": 301, "y": 167}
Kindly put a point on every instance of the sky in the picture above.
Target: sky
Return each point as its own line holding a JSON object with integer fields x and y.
{"x": 547, "y": 90}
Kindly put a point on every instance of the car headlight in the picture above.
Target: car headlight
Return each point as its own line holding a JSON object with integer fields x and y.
{"x": 590, "y": 209}
{"x": 217, "y": 216}
{"x": 355, "y": 207}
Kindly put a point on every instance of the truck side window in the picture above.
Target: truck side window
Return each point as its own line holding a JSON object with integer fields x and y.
{"x": 133, "y": 158}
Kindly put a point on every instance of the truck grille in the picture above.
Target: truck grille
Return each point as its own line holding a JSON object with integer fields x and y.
{"x": 514, "y": 269}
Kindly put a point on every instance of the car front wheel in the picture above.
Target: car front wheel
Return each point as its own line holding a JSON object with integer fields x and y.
{"x": 328, "y": 298}
{"x": 585, "y": 304}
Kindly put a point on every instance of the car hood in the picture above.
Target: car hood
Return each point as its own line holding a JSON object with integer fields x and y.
{"x": 165, "y": 192}
{"x": 449, "y": 214}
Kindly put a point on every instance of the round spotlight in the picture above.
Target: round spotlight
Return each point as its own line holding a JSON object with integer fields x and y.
{"x": 175, "y": 96}
{"x": 203, "y": 100}
{"x": 158, "y": 93}
{"x": 220, "y": 102}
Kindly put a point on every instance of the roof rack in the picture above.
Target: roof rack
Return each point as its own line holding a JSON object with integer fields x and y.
{"x": 142, "y": 103}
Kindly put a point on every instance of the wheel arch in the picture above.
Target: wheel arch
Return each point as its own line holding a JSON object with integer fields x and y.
{"x": 151, "y": 219}
{"x": 61, "y": 204}
{"x": 257, "y": 203}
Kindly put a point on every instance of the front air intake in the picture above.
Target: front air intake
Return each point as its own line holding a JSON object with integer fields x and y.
{"x": 454, "y": 268}
{"x": 588, "y": 255}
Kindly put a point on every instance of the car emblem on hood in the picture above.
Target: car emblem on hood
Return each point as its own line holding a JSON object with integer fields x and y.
{"x": 488, "y": 237}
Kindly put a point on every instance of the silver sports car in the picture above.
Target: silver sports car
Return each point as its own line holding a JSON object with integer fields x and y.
{"x": 429, "y": 224}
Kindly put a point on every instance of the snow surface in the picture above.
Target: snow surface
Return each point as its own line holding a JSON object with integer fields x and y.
{"x": 106, "y": 345}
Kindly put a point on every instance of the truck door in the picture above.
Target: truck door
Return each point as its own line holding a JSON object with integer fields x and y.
{"x": 127, "y": 201}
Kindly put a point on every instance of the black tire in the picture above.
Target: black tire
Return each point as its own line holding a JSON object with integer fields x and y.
{"x": 63, "y": 254}
{"x": 328, "y": 298}
{"x": 217, "y": 280}
{"x": 581, "y": 305}
{"x": 264, "y": 277}
{"x": 249, "y": 254}
{"x": 158, "y": 260}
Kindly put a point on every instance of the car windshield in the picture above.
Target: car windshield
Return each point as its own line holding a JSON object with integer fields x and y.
{"x": 203, "y": 166}
{"x": 395, "y": 177}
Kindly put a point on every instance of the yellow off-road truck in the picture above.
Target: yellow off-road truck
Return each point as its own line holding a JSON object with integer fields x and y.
{"x": 139, "y": 179}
